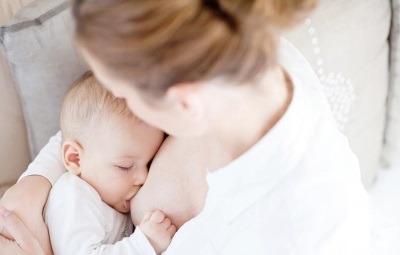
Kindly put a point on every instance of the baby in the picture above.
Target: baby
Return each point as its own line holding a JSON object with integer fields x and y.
{"x": 107, "y": 151}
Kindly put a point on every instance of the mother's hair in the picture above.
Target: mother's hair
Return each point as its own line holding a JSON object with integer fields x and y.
{"x": 155, "y": 44}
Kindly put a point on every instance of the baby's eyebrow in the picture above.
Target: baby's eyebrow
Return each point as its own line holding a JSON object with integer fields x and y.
{"x": 126, "y": 157}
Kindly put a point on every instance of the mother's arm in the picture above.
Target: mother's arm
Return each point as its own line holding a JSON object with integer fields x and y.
{"x": 25, "y": 243}
{"x": 176, "y": 183}
{"x": 27, "y": 198}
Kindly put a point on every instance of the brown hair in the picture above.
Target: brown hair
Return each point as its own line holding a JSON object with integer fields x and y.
{"x": 87, "y": 102}
{"x": 155, "y": 44}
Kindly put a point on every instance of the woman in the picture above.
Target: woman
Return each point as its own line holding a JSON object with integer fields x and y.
{"x": 281, "y": 178}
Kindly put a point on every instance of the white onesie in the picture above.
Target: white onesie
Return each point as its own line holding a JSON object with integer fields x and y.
{"x": 80, "y": 223}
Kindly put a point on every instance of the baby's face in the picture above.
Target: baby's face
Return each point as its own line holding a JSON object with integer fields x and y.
{"x": 115, "y": 159}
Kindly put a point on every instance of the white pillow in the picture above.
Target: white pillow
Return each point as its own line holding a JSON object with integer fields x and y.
{"x": 347, "y": 44}
{"x": 14, "y": 152}
{"x": 39, "y": 46}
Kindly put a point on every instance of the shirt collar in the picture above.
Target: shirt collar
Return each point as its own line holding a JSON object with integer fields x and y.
{"x": 259, "y": 170}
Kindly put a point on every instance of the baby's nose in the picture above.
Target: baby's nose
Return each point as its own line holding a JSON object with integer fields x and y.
{"x": 141, "y": 176}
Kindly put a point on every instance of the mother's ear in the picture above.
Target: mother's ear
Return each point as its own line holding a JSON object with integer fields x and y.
{"x": 189, "y": 99}
{"x": 71, "y": 154}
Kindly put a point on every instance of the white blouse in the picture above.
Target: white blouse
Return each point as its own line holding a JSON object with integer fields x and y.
{"x": 297, "y": 191}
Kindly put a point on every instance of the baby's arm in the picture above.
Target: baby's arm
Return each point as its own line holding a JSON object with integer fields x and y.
{"x": 152, "y": 236}
{"x": 28, "y": 197}
{"x": 158, "y": 230}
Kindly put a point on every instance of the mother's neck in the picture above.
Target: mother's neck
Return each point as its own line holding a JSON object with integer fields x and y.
{"x": 246, "y": 113}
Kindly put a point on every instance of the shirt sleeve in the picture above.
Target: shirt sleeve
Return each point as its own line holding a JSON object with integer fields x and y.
{"x": 48, "y": 163}
{"x": 76, "y": 223}
{"x": 137, "y": 243}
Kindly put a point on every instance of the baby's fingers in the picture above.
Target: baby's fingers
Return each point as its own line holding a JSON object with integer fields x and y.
{"x": 157, "y": 217}
{"x": 147, "y": 216}
{"x": 165, "y": 223}
{"x": 171, "y": 230}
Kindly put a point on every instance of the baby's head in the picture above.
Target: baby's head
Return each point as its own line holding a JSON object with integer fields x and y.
{"x": 104, "y": 143}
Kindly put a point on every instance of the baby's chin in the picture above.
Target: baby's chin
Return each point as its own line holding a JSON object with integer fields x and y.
{"x": 123, "y": 207}
{"x": 127, "y": 206}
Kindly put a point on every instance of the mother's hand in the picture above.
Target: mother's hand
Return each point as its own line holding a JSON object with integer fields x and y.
{"x": 26, "y": 200}
{"x": 25, "y": 243}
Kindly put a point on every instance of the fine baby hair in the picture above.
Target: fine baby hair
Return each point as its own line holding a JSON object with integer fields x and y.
{"x": 85, "y": 104}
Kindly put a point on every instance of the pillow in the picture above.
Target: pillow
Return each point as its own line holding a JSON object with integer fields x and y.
{"x": 9, "y": 7}
{"x": 39, "y": 46}
{"x": 391, "y": 155}
{"x": 14, "y": 152}
{"x": 346, "y": 43}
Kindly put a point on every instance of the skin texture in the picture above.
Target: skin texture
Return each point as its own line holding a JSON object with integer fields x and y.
{"x": 113, "y": 158}
{"x": 28, "y": 229}
{"x": 26, "y": 244}
{"x": 158, "y": 229}
{"x": 181, "y": 179}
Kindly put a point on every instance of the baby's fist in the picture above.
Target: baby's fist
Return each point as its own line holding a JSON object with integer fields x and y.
{"x": 158, "y": 229}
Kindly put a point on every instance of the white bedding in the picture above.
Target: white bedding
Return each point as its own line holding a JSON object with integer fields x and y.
{"x": 385, "y": 205}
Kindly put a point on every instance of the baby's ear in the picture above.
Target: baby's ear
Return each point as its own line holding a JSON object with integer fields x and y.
{"x": 71, "y": 154}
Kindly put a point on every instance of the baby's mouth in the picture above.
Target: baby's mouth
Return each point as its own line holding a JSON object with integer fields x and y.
{"x": 128, "y": 202}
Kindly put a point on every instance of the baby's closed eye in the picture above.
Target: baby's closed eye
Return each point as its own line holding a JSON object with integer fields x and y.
{"x": 125, "y": 168}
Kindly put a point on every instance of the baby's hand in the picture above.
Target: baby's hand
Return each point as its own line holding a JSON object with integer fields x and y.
{"x": 158, "y": 229}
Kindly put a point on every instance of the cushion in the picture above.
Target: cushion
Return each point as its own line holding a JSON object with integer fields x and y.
{"x": 347, "y": 44}
{"x": 9, "y": 7}
{"x": 391, "y": 155}
{"x": 39, "y": 46}
{"x": 14, "y": 153}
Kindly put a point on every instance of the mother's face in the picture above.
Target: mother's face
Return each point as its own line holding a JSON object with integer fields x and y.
{"x": 174, "y": 113}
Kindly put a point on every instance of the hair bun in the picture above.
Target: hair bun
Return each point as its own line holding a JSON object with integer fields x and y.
{"x": 257, "y": 13}
{"x": 214, "y": 6}
{"x": 156, "y": 44}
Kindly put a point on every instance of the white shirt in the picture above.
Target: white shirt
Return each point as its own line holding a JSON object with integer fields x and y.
{"x": 296, "y": 192}
{"x": 48, "y": 162}
{"x": 80, "y": 223}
